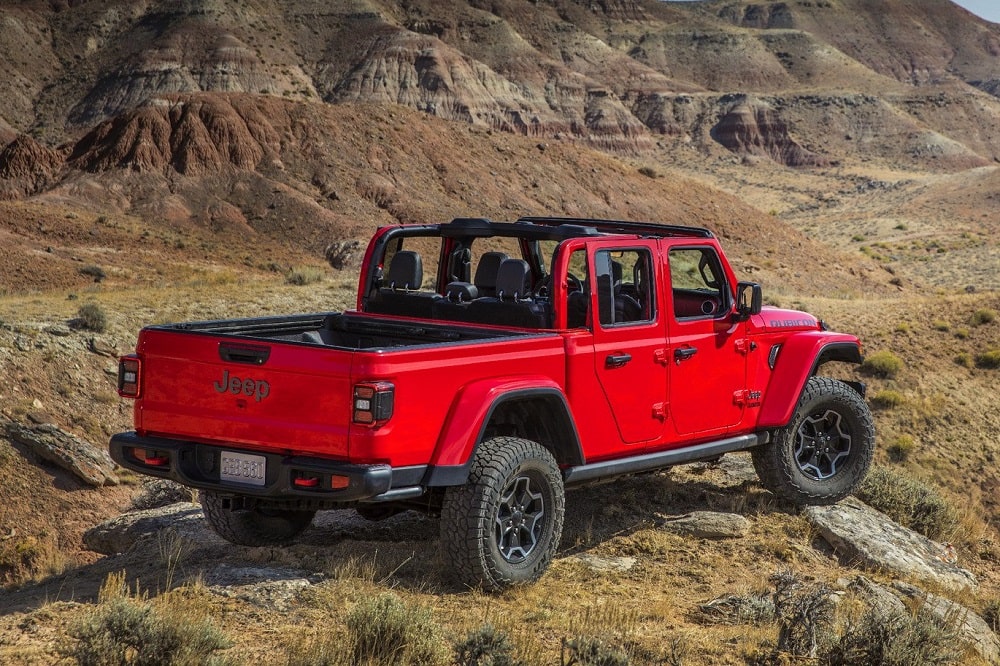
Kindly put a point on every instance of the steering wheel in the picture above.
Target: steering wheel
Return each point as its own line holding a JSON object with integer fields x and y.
{"x": 573, "y": 283}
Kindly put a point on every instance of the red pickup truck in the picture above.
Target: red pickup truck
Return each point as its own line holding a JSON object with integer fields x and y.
{"x": 487, "y": 367}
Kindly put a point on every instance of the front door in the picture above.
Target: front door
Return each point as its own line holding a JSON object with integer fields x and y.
{"x": 707, "y": 356}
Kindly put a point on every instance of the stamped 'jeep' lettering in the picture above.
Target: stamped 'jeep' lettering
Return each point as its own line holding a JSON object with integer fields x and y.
{"x": 258, "y": 389}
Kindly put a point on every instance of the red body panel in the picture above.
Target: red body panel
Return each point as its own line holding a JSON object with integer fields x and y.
{"x": 305, "y": 410}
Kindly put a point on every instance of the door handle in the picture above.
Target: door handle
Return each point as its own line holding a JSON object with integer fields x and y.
{"x": 684, "y": 353}
{"x": 617, "y": 360}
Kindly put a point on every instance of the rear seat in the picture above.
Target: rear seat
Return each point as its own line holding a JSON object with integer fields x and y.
{"x": 455, "y": 304}
{"x": 400, "y": 297}
{"x": 513, "y": 305}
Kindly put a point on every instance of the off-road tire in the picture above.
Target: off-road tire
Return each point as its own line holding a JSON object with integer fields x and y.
{"x": 502, "y": 528}
{"x": 823, "y": 454}
{"x": 253, "y": 527}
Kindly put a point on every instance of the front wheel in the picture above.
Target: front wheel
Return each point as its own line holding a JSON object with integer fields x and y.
{"x": 252, "y": 527}
{"x": 503, "y": 526}
{"x": 823, "y": 454}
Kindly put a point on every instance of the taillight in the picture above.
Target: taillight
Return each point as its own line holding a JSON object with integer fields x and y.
{"x": 373, "y": 403}
{"x": 129, "y": 371}
{"x": 150, "y": 457}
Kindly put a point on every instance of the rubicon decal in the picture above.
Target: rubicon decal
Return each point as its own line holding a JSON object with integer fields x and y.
{"x": 258, "y": 389}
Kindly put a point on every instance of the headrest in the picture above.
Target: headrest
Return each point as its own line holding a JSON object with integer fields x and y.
{"x": 406, "y": 271}
{"x": 489, "y": 266}
{"x": 514, "y": 280}
{"x": 461, "y": 292}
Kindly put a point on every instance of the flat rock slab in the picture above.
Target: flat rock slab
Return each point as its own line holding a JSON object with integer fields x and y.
{"x": 866, "y": 537}
{"x": 120, "y": 534}
{"x": 602, "y": 564}
{"x": 90, "y": 464}
{"x": 273, "y": 588}
{"x": 708, "y": 525}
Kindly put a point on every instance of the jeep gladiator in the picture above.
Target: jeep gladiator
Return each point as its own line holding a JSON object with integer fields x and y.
{"x": 487, "y": 367}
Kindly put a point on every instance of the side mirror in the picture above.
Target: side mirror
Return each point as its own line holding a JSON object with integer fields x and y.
{"x": 749, "y": 300}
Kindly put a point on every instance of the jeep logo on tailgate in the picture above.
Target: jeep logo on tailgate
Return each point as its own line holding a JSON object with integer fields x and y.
{"x": 257, "y": 388}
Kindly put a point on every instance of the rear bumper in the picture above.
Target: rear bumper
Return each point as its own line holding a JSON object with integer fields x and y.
{"x": 198, "y": 466}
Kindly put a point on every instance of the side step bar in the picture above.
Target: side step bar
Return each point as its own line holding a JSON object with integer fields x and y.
{"x": 651, "y": 461}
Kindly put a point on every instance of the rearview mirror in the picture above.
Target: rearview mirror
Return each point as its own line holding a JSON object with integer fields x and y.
{"x": 749, "y": 300}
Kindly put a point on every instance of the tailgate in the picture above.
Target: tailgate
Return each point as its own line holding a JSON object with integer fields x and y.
{"x": 257, "y": 394}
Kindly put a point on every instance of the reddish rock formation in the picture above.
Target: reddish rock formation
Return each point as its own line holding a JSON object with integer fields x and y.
{"x": 26, "y": 166}
{"x": 754, "y": 129}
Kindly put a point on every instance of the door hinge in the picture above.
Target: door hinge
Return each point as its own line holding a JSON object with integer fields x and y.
{"x": 660, "y": 411}
{"x": 661, "y": 356}
{"x": 739, "y": 398}
{"x": 745, "y": 346}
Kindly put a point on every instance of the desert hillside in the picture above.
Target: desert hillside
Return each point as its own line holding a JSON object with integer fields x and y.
{"x": 178, "y": 160}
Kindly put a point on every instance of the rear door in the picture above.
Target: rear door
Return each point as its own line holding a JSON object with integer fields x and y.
{"x": 707, "y": 345}
{"x": 629, "y": 337}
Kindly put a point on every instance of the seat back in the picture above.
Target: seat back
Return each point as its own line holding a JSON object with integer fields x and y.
{"x": 400, "y": 296}
{"x": 486, "y": 272}
{"x": 513, "y": 281}
{"x": 513, "y": 305}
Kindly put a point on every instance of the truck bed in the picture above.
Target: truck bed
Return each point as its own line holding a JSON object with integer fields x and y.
{"x": 349, "y": 331}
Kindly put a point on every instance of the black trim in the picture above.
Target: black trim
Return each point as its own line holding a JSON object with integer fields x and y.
{"x": 623, "y": 226}
{"x": 567, "y": 451}
{"x": 196, "y": 465}
{"x": 652, "y": 461}
{"x": 848, "y": 352}
{"x": 859, "y": 387}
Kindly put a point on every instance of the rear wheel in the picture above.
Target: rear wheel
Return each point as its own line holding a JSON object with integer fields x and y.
{"x": 823, "y": 454}
{"x": 503, "y": 526}
{"x": 252, "y": 527}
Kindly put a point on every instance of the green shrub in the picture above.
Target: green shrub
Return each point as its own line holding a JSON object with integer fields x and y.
{"x": 901, "y": 448}
{"x": 898, "y": 639}
{"x": 92, "y": 318}
{"x": 983, "y": 316}
{"x": 648, "y": 172}
{"x": 95, "y": 272}
{"x": 941, "y": 325}
{"x": 486, "y": 646}
{"x": 964, "y": 359}
{"x": 385, "y": 631}
{"x": 125, "y": 629}
{"x": 961, "y": 333}
{"x": 591, "y": 651}
{"x": 882, "y": 364}
{"x": 989, "y": 360}
{"x": 909, "y": 502}
{"x": 301, "y": 277}
{"x": 887, "y": 399}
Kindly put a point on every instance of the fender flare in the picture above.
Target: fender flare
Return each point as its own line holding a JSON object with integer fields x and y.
{"x": 471, "y": 412}
{"x": 800, "y": 356}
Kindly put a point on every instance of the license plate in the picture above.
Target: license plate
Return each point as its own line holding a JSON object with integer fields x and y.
{"x": 242, "y": 468}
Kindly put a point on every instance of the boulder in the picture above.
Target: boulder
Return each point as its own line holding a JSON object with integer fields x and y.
{"x": 121, "y": 533}
{"x": 868, "y": 538}
{"x": 708, "y": 525}
{"x": 89, "y": 463}
{"x": 971, "y": 627}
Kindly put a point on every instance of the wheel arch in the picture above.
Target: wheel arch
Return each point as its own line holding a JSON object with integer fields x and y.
{"x": 527, "y": 408}
{"x": 799, "y": 359}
